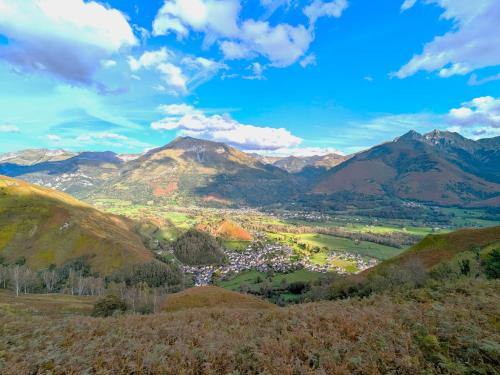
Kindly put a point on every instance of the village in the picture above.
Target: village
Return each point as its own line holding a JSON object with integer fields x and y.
{"x": 272, "y": 257}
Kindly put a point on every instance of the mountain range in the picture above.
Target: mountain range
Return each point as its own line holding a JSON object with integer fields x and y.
{"x": 439, "y": 168}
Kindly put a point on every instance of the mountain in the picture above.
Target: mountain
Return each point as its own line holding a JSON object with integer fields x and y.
{"x": 76, "y": 175}
{"x": 296, "y": 164}
{"x": 47, "y": 227}
{"x": 441, "y": 168}
{"x": 35, "y": 156}
{"x": 189, "y": 171}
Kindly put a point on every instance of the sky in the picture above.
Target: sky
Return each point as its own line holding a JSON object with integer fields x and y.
{"x": 278, "y": 77}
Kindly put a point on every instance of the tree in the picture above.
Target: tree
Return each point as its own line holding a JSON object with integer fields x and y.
{"x": 49, "y": 278}
{"x": 491, "y": 264}
{"x": 16, "y": 278}
{"x": 109, "y": 305}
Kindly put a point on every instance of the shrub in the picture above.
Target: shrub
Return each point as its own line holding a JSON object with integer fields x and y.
{"x": 108, "y": 305}
{"x": 297, "y": 287}
{"x": 491, "y": 264}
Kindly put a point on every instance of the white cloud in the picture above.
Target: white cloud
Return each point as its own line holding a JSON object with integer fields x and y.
{"x": 222, "y": 128}
{"x": 68, "y": 39}
{"x": 318, "y": 9}
{"x": 282, "y": 44}
{"x": 308, "y": 60}
{"x": 53, "y": 137}
{"x": 105, "y": 139}
{"x": 175, "y": 71}
{"x": 257, "y": 72}
{"x": 474, "y": 81}
{"x": 473, "y": 43}
{"x": 483, "y": 112}
{"x": 173, "y": 76}
{"x": 235, "y": 50}
{"x": 149, "y": 59}
{"x": 7, "y": 128}
{"x": 305, "y": 151}
{"x": 408, "y": 4}
{"x": 208, "y": 16}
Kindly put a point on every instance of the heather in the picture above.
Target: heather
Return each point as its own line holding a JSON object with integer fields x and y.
{"x": 447, "y": 328}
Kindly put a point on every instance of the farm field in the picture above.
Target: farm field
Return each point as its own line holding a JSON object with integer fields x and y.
{"x": 333, "y": 243}
{"x": 255, "y": 279}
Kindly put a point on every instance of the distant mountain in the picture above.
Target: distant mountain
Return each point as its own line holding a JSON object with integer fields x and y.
{"x": 441, "y": 168}
{"x": 296, "y": 164}
{"x": 77, "y": 175}
{"x": 35, "y": 156}
{"x": 46, "y": 227}
{"x": 189, "y": 171}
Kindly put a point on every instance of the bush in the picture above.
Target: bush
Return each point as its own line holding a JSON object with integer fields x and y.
{"x": 297, "y": 287}
{"x": 491, "y": 264}
{"x": 108, "y": 305}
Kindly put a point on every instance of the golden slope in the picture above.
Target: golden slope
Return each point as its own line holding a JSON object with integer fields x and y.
{"x": 49, "y": 227}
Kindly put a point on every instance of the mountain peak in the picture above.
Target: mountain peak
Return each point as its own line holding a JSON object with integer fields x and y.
{"x": 412, "y": 135}
{"x": 443, "y": 137}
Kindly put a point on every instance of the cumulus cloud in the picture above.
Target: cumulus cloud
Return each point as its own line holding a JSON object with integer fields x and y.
{"x": 176, "y": 72}
{"x": 222, "y": 128}
{"x": 473, "y": 43}
{"x": 7, "y": 128}
{"x": 68, "y": 39}
{"x": 318, "y": 9}
{"x": 209, "y": 16}
{"x": 481, "y": 112}
{"x": 282, "y": 44}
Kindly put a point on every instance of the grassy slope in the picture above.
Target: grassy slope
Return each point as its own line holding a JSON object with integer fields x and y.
{"x": 249, "y": 278}
{"x": 438, "y": 248}
{"x": 210, "y": 296}
{"x": 452, "y": 330}
{"x": 49, "y": 227}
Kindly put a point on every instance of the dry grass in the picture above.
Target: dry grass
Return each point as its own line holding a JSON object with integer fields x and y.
{"x": 211, "y": 296}
{"x": 53, "y": 305}
{"x": 453, "y": 330}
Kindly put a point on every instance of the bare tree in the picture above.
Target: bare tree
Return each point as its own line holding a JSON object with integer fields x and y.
{"x": 16, "y": 276}
{"x": 72, "y": 281}
{"x": 49, "y": 279}
{"x": 82, "y": 284}
{"x": 4, "y": 276}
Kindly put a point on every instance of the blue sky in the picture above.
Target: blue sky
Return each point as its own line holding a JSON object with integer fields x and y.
{"x": 272, "y": 76}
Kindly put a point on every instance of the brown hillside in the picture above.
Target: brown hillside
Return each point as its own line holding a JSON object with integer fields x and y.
{"x": 49, "y": 227}
{"x": 439, "y": 248}
{"x": 231, "y": 231}
{"x": 212, "y": 297}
